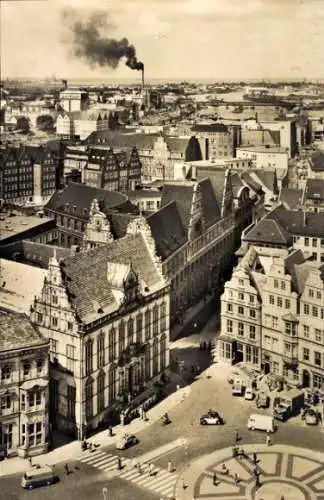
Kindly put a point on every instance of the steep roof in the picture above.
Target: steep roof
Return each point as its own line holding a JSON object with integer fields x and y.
{"x": 211, "y": 208}
{"x": 177, "y": 144}
{"x": 298, "y": 222}
{"x": 119, "y": 222}
{"x": 120, "y": 140}
{"x": 81, "y": 196}
{"x": 216, "y": 175}
{"x": 86, "y": 277}
{"x": 314, "y": 189}
{"x": 182, "y": 195}
{"x": 246, "y": 177}
{"x": 17, "y": 332}
{"x": 167, "y": 230}
{"x": 268, "y": 231}
{"x": 237, "y": 183}
{"x": 267, "y": 178}
{"x": 317, "y": 161}
{"x": 291, "y": 198}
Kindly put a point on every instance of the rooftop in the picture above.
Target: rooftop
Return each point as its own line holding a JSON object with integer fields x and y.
{"x": 314, "y": 189}
{"x": 19, "y": 283}
{"x": 17, "y": 332}
{"x": 10, "y": 226}
{"x": 264, "y": 149}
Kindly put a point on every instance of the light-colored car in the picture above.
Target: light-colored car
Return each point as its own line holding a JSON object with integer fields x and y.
{"x": 125, "y": 441}
{"x": 211, "y": 418}
{"x": 311, "y": 417}
{"x": 249, "y": 394}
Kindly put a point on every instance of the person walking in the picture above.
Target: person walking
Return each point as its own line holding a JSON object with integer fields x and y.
{"x": 224, "y": 469}
{"x": 119, "y": 463}
{"x": 268, "y": 439}
{"x": 255, "y": 458}
{"x": 237, "y": 437}
{"x": 110, "y": 431}
{"x": 214, "y": 479}
{"x": 139, "y": 468}
{"x": 236, "y": 479}
{"x": 150, "y": 469}
{"x": 67, "y": 470}
{"x": 169, "y": 466}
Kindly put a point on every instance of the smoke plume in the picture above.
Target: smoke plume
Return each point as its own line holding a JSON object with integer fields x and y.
{"x": 91, "y": 43}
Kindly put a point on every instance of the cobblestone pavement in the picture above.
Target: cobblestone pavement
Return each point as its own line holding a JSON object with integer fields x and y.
{"x": 284, "y": 471}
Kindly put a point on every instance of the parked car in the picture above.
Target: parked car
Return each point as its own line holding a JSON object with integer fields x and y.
{"x": 42, "y": 476}
{"x": 211, "y": 418}
{"x": 262, "y": 400}
{"x": 237, "y": 388}
{"x": 311, "y": 417}
{"x": 126, "y": 441}
{"x": 249, "y": 394}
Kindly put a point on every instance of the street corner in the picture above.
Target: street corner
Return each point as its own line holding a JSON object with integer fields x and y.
{"x": 261, "y": 473}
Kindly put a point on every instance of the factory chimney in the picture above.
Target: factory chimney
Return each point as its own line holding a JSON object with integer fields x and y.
{"x": 143, "y": 81}
{"x": 64, "y": 82}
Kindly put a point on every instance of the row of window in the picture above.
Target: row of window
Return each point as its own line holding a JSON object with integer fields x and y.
{"x": 318, "y": 335}
{"x": 7, "y": 370}
{"x": 241, "y": 310}
{"x": 316, "y": 312}
{"x": 32, "y": 434}
{"x": 314, "y": 242}
{"x": 280, "y": 302}
{"x": 316, "y": 357}
{"x": 241, "y": 328}
{"x": 34, "y": 399}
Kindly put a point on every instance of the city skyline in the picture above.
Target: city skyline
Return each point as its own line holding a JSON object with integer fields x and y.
{"x": 257, "y": 39}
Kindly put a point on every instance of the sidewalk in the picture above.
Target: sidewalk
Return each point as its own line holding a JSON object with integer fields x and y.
{"x": 72, "y": 450}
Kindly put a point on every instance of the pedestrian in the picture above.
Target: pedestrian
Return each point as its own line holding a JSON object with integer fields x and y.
{"x": 268, "y": 440}
{"x": 236, "y": 479}
{"x": 119, "y": 463}
{"x": 237, "y": 437}
{"x": 255, "y": 472}
{"x": 255, "y": 458}
{"x": 241, "y": 453}
{"x": 150, "y": 469}
{"x": 67, "y": 470}
{"x": 139, "y": 468}
{"x": 214, "y": 479}
{"x": 110, "y": 430}
{"x": 169, "y": 466}
{"x": 122, "y": 418}
{"x": 234, "y": 451}
{"x": 257, "y": 482}
{"x": 184, "y": 486}
{"x": 224, "y": 469}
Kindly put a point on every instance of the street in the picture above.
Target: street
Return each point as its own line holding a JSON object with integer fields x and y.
{"x": 158, "y": 444}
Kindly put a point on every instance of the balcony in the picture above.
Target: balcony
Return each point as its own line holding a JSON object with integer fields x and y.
{"x": 290, "y": 359}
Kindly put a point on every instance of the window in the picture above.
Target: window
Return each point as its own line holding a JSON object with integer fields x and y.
{"x": 248, "y": 353}
{"x": 5, "y": 402}
{"x": 271, "y": 300}
{"x": 38, "y": 397}
{"x": 40, "y": 364}
{"x": 306, "y": 309}
{"x": 88, "y": 357}
{"x": 306, "y": 331}
{"x": 287, "y": 303}
{"x": 241, "y": 282}
{"x": 279, "y": 301}
{"x": 121, "y": 338}
{"x": 229, "y": 307}
{"x": 276, "y": 283}
{"x": 318, "y": 295}
{"x": 112, "y": 344}
{"x": 100, "y": 350}
{"x": 155, "y": 320}
{"x": 53, "y": 345}
{"x": 241, "y": 296}
{"x": 311, "y": 292}
{"x": 317, "y": 358}
{"x": 251, "y": 299}
{"x": 89, "y": 396}
{"x": 274, "y": 322}
{"x": 318, "y": 335}
{"x": 70, "y": 325}
{"x": 6, "y": 373}
{"x": 240, "y": 310}
{"x": 314, "y": 311}
{"x": 31, "y": 434}
{"x": 70, "y": 350}
{"x": 306, "y": 242}
{"x": 229, "y": 326}
{"x": 240, "y": 329}
{"x": 71, "y": 395}
{"x": 252, "y": 313}
{"x": 54, "y": 321}
{"x": 101, "y": 392}
{"x": 290, "y": 328}
{"x": 305, "y": 354}
{"x": 163, "y": 318}
{"x": 314, "y": 242}
{"x": 54, "y": 299}
{"x": 147, "y": 324}
{"x": 26, "y": 369}
{"x": 39, "y": 317}
{"x": 252, "y": 332}
{"x": 283, "y": 285}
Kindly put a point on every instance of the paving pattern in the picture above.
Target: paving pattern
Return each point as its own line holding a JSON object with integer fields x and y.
{"x": 286, "y": 471}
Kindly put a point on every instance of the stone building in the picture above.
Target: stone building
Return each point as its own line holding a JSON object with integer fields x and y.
{"x": 216, "y": 140}
{"x": 272, "y": 315}
{"x": 106, "y": 314}
{"x": 24, "y": 427}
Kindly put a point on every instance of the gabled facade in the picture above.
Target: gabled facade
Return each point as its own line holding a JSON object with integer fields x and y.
{"x": 106, "y": 314}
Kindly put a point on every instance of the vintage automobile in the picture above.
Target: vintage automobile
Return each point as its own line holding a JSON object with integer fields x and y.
{"x": 125, "y": 441}
{"x": 211, "y": 418}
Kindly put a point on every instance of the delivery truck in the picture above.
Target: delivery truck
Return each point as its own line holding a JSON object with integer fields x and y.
{"x": 288, "y": 404}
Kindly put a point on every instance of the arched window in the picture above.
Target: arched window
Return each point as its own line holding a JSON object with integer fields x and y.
{"x": 155, "y": 357}
{"x": 100, "y": 350}
{"x": 101, "y": 392}
{"x": 89, "y": 398}
{"x": 163, "y": 348}
{"x": 89, "y": 357}
{"x": 112, "y": 344}
{"x": 121, "y": 339}
{"x": 130, "y": 331}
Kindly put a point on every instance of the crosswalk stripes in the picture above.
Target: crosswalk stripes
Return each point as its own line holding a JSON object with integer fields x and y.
{"x": 102, "y": 461}
{"x": 161, "y": 481}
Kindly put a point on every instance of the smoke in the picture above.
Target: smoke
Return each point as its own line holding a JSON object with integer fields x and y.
{"x": 91, "y": 43}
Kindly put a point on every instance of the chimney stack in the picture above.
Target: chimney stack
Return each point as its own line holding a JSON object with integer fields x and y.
{"x": 143, "y": 81}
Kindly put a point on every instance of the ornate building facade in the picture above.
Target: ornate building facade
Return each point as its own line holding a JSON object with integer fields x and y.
{"x": 24, "y": 425}
{"x": 106, "y": 314}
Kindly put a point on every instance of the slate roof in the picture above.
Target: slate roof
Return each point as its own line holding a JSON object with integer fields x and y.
{"x": 266, "y": 178}
{"x": 317, "y": 161}
{"x": 119, "y": 222}
{"x": 291, "y": 198}
{"x": 302, "y": 272}
{"x": 177, "y": 144}
{"x": 82, "y": 196}
{"x": 217, "y": 179}
{"x": 246, "y": 177}
{"x": 268, "y": 231}
{"x": 119, "y": 140}
{"x": 237, "y": 183}
{"x": 182, "y": 196}
{"x": 17, "y": 332}
{"x": 167, "y": 230}
{"x": 211, "y": 208}
{"x": 39, "y": 253}
{"x": 210, "y": 128}
{"x": 298, "y": 222}
{"x": 292, "y": 264}
{"x": 314, "y": 189}
{"x": 86, "y": 280}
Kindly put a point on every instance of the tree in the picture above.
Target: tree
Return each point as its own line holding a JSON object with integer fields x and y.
{"x": 45, "y": 123}
{"x": 23, "y": 124}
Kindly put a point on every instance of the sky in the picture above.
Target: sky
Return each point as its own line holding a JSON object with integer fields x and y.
{"x": 212, "y": 39}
